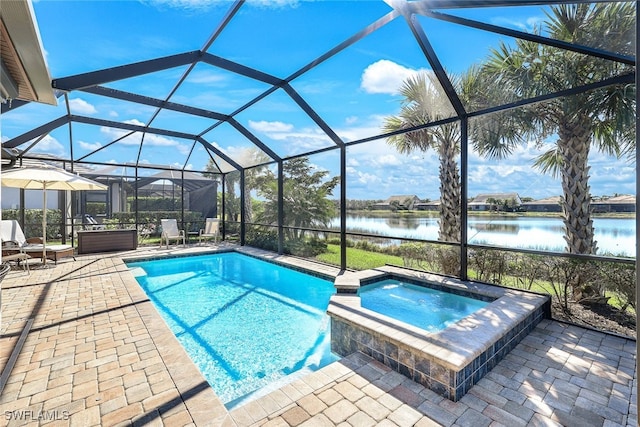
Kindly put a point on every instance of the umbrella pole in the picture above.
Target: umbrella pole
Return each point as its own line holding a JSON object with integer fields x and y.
{"x": 44, "y": 224}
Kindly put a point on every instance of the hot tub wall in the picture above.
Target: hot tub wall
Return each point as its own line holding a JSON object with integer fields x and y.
{"x": 348, "y": 337}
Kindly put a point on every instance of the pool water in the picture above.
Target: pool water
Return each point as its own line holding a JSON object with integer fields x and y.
{"x": 420, "y": 306}
{"x": 245, "y": 323}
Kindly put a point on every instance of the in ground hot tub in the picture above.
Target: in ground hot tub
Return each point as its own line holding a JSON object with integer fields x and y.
{"x": 449, "y": 358}
{"x": 424, "y": 307}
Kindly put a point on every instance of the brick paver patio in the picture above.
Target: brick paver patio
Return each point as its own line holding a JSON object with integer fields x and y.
{"x": 98, "y": 353}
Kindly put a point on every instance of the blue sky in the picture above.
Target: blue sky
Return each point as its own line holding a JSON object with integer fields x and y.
{"x": 353, "y": 91}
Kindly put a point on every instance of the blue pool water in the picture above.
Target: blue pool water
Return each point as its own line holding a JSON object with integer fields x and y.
{"x": 246, "y": 323}
{"x": 416, "y": 305}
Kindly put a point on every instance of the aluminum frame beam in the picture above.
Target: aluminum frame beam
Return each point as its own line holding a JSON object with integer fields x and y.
{"x": 94, "y": 78}
{"x": 34, "y": 133}
{"x": 423, "y": 9}
{"x": 313, "y": 115}
{"x": 254, "y": 139}
{"x": 242, "y": 70}
{"x": 153, "y": 102}
{"x": 428, "y": 51}
{"x": 131, "y": 126}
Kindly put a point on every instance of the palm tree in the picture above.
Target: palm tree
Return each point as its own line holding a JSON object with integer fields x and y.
{"x": 602, "y": 119}
{"x": 423, "y": 103}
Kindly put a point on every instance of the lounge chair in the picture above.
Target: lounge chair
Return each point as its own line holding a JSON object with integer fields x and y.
{"x": 14, "y": 242}
{"x": 170, "y": 232}
{"x": 211, "y": 229}
{"x": 90, "y": 223}
{"x": 9, "y": 255}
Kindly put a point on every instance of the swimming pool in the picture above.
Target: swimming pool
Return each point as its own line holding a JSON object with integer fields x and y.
{"x": 246, "y": 323}
{"x": 420, "y": 306}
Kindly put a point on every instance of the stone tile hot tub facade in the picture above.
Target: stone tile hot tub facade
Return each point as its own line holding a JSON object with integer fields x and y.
{"x": 448, "y": 362}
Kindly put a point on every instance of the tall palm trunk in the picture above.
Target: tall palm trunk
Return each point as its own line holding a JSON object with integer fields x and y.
{"x": 449, "y": 224}
{"x": 573, "y": 148}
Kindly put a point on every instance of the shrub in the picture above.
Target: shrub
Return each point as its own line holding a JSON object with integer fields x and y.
{"x": 489, "y": 265}
{"x": 267, "y": 239}
{"x": 621, "y": 280}
{"x": 261, "y": 238}
{"x": 33, "y": 222}
{"x": 305, "y": 247}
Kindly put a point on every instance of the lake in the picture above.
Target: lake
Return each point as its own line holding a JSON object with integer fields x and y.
{"x": 614, "y": 235}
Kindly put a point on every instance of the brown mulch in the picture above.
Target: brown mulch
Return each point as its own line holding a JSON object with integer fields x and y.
{"x": 601, "y": 317}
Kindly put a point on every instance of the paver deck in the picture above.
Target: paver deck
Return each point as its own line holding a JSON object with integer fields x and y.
{"x": 98, "y": 353}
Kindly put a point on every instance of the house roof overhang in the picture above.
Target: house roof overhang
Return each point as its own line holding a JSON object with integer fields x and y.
{"x": 24, "y": 75}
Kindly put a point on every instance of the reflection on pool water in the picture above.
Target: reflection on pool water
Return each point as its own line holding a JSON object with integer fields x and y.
{"x": 245, "y": 323}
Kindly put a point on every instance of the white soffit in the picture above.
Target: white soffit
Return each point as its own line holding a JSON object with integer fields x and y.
{"x": 24, "y": 68}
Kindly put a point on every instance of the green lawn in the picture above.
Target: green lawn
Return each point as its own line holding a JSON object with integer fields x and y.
{"x": 358, "y": 259}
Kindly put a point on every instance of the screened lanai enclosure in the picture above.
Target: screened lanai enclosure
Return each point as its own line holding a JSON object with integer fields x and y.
{"x": 354, "y": 133}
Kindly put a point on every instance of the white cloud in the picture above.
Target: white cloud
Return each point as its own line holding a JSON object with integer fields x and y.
{"x": 245, "y": 156}
{"x": 388, "y": 160}
{"x": 134, "y": 122}
{"x": 79, "y": 105}
{"x": 367, "y": 178}
{"x": 209, "y": 77}
{"x": 351, "y": 120}
{"x": 89, "y": 146}
{"x": 113, "y": 113}
{"x": 363, "y": 129}
{"x": 385, "y": 76}
{"x": 113, "y": 133}
{"x": 268, "y": 127}
{"x": 292, "y": 140}
{"x": 50, "y": 145}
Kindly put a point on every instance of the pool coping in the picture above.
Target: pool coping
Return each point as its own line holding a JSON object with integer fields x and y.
{"x": 492, "y": 327}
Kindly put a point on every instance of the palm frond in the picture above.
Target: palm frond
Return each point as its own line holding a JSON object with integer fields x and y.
{"x": 549, "y": 162}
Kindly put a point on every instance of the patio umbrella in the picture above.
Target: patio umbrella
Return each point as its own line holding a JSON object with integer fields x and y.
{"x": 45, "y": 177}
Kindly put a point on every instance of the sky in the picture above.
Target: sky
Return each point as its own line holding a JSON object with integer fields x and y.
{"x": 353, "y": 91}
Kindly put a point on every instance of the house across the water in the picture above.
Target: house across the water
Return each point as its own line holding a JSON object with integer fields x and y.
{"x": 495, "y": 201}
{"x": 401, "y": 202}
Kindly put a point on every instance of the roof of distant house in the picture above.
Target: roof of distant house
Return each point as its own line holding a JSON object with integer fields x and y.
{"x": 553, "y": 200}
{"x": 483, "y": 198}
{"x": 623, "y": 198}
{"x": 402, "y": 198}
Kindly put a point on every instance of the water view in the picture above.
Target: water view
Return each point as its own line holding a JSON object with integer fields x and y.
{"x": 614, "y": 235}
